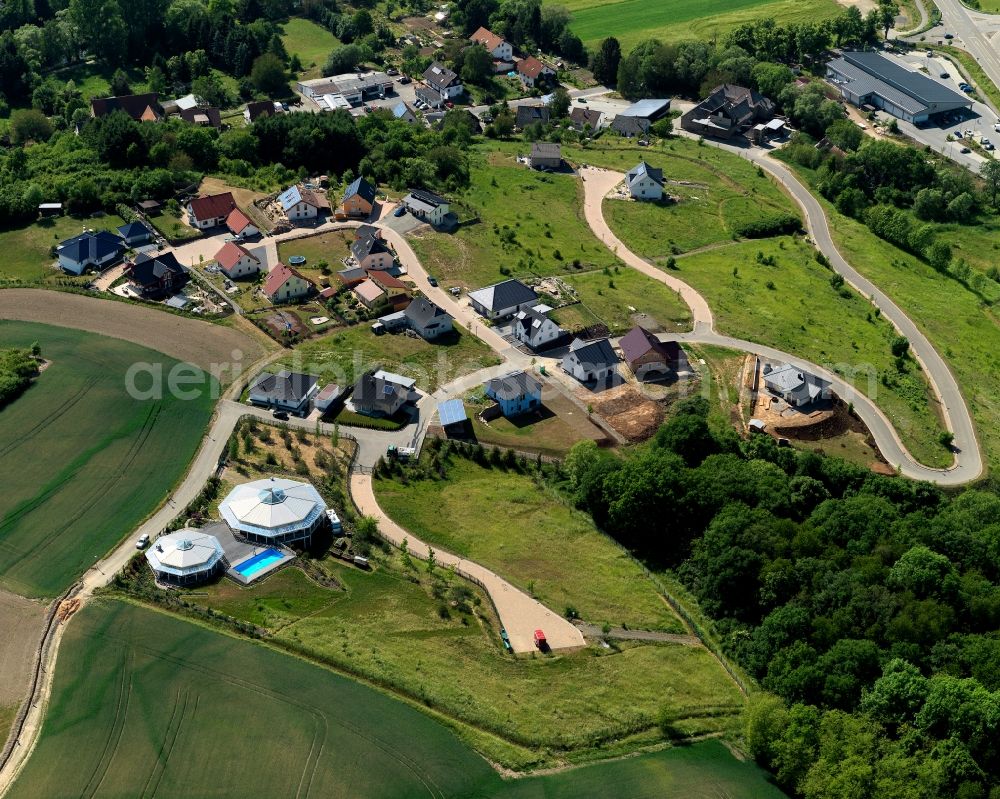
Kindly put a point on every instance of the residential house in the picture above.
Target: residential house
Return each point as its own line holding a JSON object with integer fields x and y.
{"x": 257, "y": 109}
{"x": 427, "y": 319}
{"x": 327, "y": 397}
{"x": 585, "y": 119}
{"x": 370, "y": 250}
{"x": 211, "y": 211}
{"x": 285, "y": 284}
{"x": 496, "y": 46}
{"x": 649, "y": 109}
{"x": 645, "y": 353}
{"x": 89, "y": 249}
{"x": 236, "y": 261}
{"x": 443, "y": 81}
{"x": 529, "y": 114}
{"x": 645, "y": 182}
{"x": 358, "y": 200}
{"x": 157, "y": 276}
{"x": 349, "y": 278}
{"x": 545, "y": 155}
{"x": 630, "y": 127}
{"x": 403, "y": 111}
{"x": 300, "y": 203}
{"x": 140, "y": 107}
{"x": 239, "y": 224}
{"x": 533, "y": 72}
{"x": 794, "y": 386}
{"x": 502, "y": 299}
{"x": 728, "y": 111}
{"x": 427, "y": 206}
{"x": 292, "y": 392}
{"x": 590, "y": 361}
{"x": 370, "y": 293}
{"x": 534, "y": 328}
{"x": 397, "y": 294}
{"x": 206, "y": 117}
{"x": 135, "y": 234}
{"x": 515, "y": 393}
{"x": 383, "y": 393}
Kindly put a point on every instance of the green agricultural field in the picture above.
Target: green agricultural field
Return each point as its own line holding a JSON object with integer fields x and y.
{"x": 611, "y": 298}
{"x": 109, "y": 460}
{"x": 146, "y": 704}
{"x": 312, "y": 43}
{"x": 791, "y": 305}
{"x": 341, "y": 357}
{"x": 530, "y": 537}
{"x": 525, "y": 221}
{"x": 26, "y": 250}
{"x": 633, "y": 21}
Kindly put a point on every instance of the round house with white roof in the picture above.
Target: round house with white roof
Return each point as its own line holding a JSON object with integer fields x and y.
{"x": 274, "y": 511}
{"x": 186, "y": 556}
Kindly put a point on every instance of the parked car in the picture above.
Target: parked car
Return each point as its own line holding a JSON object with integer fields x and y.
{"x": 949, "y": 36}
{"x": 540, "y": 641}
{"x": 401, "y": 211}
{"x": 282, "y": 415}
{"x": 405, "y": 79}
{"x": 581, "y": 99}
{"x": 392, "y": 71}
{"x": 449, "y": 104}
{"x": 944, "y": 76}
{"x": 965, "y": 151}
{"x": 432, "y": 280}
{"x": 143, "y": 541}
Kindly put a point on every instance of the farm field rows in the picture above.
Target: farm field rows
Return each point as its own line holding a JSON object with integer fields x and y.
{"x": 108, "y": 459}
{"x": 148, "y": 704}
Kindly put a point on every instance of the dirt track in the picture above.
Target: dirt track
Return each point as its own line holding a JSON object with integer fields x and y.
{"x": 200, "y": 343}
{"x": 21, "y": 622}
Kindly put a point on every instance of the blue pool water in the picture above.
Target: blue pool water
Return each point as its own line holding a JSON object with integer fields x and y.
{"x": 258, "y": 562}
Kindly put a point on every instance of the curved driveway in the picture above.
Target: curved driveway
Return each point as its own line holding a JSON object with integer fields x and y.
{"x": 967, "y": 465}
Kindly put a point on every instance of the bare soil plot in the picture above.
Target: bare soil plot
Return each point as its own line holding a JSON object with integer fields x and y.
{"x": 628, "y": 412}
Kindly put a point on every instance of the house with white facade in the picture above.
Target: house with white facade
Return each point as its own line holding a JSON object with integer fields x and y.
{"x": 645, "y": 182}
{"x": 236, "y": 261}
{"x": 591, "y": 361}
{"x": 534, "y": 328}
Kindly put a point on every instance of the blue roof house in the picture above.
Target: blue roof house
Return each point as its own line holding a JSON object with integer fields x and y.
{"x": 135, "y": 233}
{"x": 89, "y": 249}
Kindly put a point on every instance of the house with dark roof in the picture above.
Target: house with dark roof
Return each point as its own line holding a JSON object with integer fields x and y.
{"x": 728, "y": 111}
{"x": 795, "y": 386}
{"x": 502, "y": 299}
{"x": 644, "y": 182}
{"x": 98, "y": 249}
{"x": 545, "y": 155}
{"x": 141, "y": 107}
{"x": 285, "y": 284}
{"x": 533, "y": 72}
{"x": 529, "y": 114}
{"x": 427, "y": 206}
{"x": 135, "y": 233}
{"x": 498, "y": 47}
{"x": 358, "y": 200}
{"x": 534, "y": 328}
{"x": 210, "y": 211}
{"x": 591, "y": 361}
{"x": 872, "y": 79}
{"x": 427, "y": 319}
{"x": 645, "y": 353}
{"x": 443, "y": 81}
{"x": 205, "y": 116}
{"x": 515, "y": 393}
{"x": 630, "y": 127}
{"x": 370, "y": 251}
{"x": 157, "y": 276}
{"x": 300, "y": 203}
{"x": 292, "y": 392}
{"x": 383, "y": 393}
{"x": 583, "y": 118}
{"x": 257, "y": 109}
{"x": 236, "y": 261}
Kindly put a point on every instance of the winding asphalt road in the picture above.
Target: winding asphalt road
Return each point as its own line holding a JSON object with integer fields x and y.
{"x": 967, "y": 464}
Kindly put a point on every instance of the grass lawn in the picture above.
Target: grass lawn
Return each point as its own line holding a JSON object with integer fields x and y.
{"x": 716, "y": 190}
{"x": 109, "y": 459}
{"x": 330, "y": 247}
{"x": 205, "y": 714}
{"x": 529, "y": 222}
{"x": 633, "y": 21}
{"x": 25, "y": 250}
{"x": 94, "y": 80}
{"x": 963, "y": 326}
{"x": 172, "y": 227}
{"x": 341, "y": 357}
{"x": 527, "y": 535}
{"x": 312, "y": 43}
{"x": 616, "y": 298}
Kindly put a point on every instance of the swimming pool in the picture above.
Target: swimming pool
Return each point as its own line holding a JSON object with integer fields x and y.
{"x": 259, "y": 562}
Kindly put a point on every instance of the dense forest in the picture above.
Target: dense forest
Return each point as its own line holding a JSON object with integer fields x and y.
{"x": 867, "y": 607}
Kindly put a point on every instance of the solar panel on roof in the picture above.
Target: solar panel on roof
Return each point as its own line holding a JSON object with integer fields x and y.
{"x": 451, "y": 412}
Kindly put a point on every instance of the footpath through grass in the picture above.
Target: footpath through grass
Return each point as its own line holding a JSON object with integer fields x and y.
{"x": 84, "y": 462}
{"x": 143, "y": 702}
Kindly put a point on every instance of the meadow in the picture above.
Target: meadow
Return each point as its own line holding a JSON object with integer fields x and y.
{"x": 109, "y": 459}
{"x": 146, "y": 704}
{"x": 617, "y": 296}
{"x": 26, "y": 250}
{"x": 633, "y": 21}
{"x": 312, "y": 43}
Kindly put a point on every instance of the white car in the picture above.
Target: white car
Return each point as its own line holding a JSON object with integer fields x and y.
{"x": 143, "y": 541}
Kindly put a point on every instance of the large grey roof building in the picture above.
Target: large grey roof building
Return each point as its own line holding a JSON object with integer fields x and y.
{"x": 502, "y": 299}
{"x": 871, "y": 78}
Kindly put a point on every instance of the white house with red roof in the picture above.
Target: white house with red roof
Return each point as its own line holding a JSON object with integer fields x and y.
{"x": 211, "y": 211}
{"x": 285, "y": 284}
{"x": 237, "y": 261}
{"x": 497, "y": 46}
{"x": 533, "y": 72}
{"x": 240, "y": 225}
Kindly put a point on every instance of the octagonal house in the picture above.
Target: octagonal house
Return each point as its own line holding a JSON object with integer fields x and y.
{"x": 274, "y": 511}
{"x": 185, "y": 557}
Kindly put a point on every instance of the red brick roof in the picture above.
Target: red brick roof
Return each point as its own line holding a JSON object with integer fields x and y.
{"x": 278, "y": 276}
{"x": 532, "y": 67}
{"x": 487, "y": 39}
{"x": 237, "y": 221}
{"x": 213, "y": 206}
{"x": 230, "y": 253}
{"x": 386, "y": 281}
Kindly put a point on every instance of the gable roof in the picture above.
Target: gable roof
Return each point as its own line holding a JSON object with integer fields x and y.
{"x": 280, "y": 275}
{"x": 639, "y": 341}
{"x": 149, "y": 270}
{"x": 368, "y": 290}
{"x": 581, "y": 117}
{"x": 439, "y": 76}
{"x": 642, "y": 170}
{"x": 594, "y": 353}
{"x": 386, "y": 280}
{"x": 294, "y": 195}
{"x": 260, "y": 108}
{"x": 362, "y": 188}
{"x": 487, "y": 39}
{"x": 630, "y": 126}
{"x": 237, "y": 221}
{"x": 132, "y": 229}
{"x": 209, "y": 115}
{"x": 513, "y": 385}
{"x": 214, "y": 206}
{"x": 368, "y": 244}
{"x": 504, "y": 295}
{"x": 284, "y": 386}
{"x": 422, "y": 311}
{"x": 530, "y": 319}
{"x": 451, "y": 411}
{"x": 90, "y": 246}
{"x": 545, "y": 149}
{"x": 531, "y": 67}
{"x": 230, "y": 253}
{"x": 401, "y": 110}
{"x": 527, "y": 114}
{"x": 135, "y": 105}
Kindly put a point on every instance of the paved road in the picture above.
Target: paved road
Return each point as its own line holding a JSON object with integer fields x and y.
{"x": 976, "y": 32}
{"x": 967, "y": 464}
